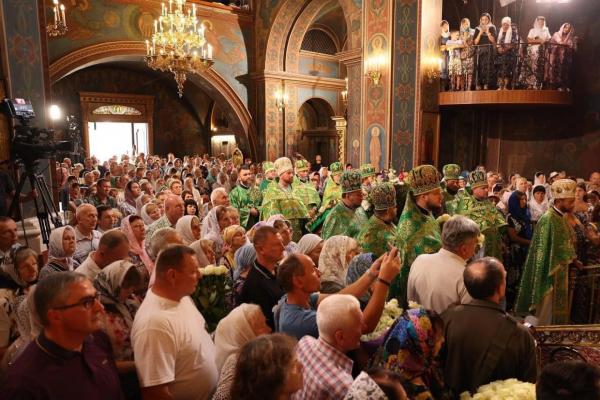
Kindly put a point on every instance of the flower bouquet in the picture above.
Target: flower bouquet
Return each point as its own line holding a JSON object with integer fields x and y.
{"x": 211, "y": 294}
{"x": 391, "y": 311}
{"x": 510, "y": 389}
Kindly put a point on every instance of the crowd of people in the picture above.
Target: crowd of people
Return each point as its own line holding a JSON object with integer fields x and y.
{"x": 488, "y": 57}
{"x": 313, "y": 255}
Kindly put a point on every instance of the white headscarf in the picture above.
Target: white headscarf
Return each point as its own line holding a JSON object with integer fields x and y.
{"x": 536, "y": 209}
{"x": 233, "y": 332}
{"x": 509, "y": 32}
{"x": 332, "y": 261}
{"x": 56, "y": 252}
{"x": 210, "y": 223}
{"x": 539, "y": 32}
{"x": 308, "y": 242}
{"x": 109, "y": 283}
{"x": 365, "y": 388}
{"x": 184, "y": 228}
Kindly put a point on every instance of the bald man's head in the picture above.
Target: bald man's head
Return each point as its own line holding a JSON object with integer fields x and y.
{"x": 174, "y": 208}
{"x": 485, "y": 278}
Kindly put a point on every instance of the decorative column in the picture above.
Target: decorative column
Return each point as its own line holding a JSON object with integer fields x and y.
{"x": 353, "y": 61}
{"x": 377, "y": 50}
{"x": 340, "y": 127}
{"x": 415, "y": 121}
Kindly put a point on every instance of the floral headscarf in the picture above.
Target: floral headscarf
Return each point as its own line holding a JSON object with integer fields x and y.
{"x": 135, "y": 247}
{"x": 244, "y": 257}
{"x": 408, "y": 350}
{"x": 332, "y": 261}
{"x": 184, "y": 228}
{"x": 357, "y": 268}
{"x": 233, "y": 332}
{"x": 308, "y": 242}
{"x": 108, "y": 284}
{"x": 56, "y": 253}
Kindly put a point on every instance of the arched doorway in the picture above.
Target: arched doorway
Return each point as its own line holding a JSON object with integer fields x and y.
{"x": 316, "y": 131}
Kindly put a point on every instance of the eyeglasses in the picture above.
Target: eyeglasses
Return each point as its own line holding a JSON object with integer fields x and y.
{"x": 86, "y": 302}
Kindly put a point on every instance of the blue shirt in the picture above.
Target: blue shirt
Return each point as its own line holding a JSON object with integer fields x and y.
{"x": 297, "y": 321}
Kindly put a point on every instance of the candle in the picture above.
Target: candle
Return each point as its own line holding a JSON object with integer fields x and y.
{"x": 62, "y": 13}
{"x": 147, "y": 47}
{"x": 55, "y": 15}
{"x": 170, "y": 6}
{"x": 153, "y": 47}
{"x": 209, "y": 52}
{"x": 155, "y": 26}
{"x": 194, "y": 9}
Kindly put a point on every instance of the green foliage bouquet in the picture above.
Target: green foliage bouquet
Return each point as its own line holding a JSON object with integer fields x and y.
{"x": 211, "y": 294}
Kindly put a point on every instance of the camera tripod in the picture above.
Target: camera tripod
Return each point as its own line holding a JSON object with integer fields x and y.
{"x": 46, "y": 211}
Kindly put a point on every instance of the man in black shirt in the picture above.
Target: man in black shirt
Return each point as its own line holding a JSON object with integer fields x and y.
{"x": 261, "y": 286}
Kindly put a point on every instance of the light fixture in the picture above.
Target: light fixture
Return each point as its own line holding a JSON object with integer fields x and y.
{"x": 54, "y": 112}
{"x": 433, "y": 67}
{"x": 344, "y": 93}
{"x": 374, "y": 68}
{"x": 178, "y": 44}
{"x": 281, "y": 99}
{"x": 59, "y": 26}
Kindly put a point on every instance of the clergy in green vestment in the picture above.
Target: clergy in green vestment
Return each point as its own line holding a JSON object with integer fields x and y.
{"x": 246, "y": 198}
{"x": 304, "y": 189}
{"x": 269, "y": 178}
{"x": 333, "y": 191}
{"x": 480, "y": 209}
{"x": 378, "y": 233}
{"x": 544, "y": 287}
{"x": 343, "y": 220}
{"x": 451, "y": 178}
{"x": 367, "y": 172}
{"x": 279, "y": 198}
{"x": 418, "y": 231}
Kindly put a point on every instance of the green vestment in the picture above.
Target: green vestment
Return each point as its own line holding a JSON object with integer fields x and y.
{"x": 244, "y": 199}
{"x": 375, "y": 236}
{"x": 489, "y": 219}
{"x": 277, "y": 200}
{"x": 264, "y": 184}
{"x": 307, "y": 193}
{"x": 342, "y": 221}
{"x": 417, "y": 233}
{"x": 546, "y": 267}
{"x": 332, "y": 194}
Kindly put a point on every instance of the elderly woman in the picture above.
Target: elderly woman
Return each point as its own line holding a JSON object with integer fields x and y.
{"x": 188, "y": 228}
{"x": 135, "y": 230}
{"x": 116, "y": 284}
{"x": 60, "y": 252}
{"x": 311, "y": 245}
{"x": 213, "y": 225}
{"x": 267, "y": 369}
{"x": 244, "y": 259}
{"x": 243, "y": 324}
{"x": 150, "y": 212}
{"x": 506, "y": 53}
{"x": 234, "y": 237}
{"x": 334, "y": 260}
{"x": 410, "y": 348}
{"x": 23, "y": 271}
{"x": 485, "y": 36}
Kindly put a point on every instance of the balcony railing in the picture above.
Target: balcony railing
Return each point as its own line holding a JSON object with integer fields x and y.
{"x": 508, "y": 66}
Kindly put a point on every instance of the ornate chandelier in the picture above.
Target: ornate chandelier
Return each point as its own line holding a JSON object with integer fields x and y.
{"x": 178, "y": 44}
{"x": 59, "y": 26}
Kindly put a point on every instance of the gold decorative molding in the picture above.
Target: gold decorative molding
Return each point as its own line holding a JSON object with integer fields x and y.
{"x": 340, "y": 127}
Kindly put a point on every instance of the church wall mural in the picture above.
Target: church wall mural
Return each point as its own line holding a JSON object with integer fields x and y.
{"x": 177, "y": 127}
{"x": 377, "y": 34}
{"x": 96, "y": 21}
{"x": 319, "y": 66}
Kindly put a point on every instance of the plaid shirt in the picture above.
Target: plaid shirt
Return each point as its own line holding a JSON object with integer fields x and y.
{"x": 327, "y": 371}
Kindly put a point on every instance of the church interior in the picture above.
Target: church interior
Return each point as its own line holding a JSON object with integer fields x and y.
{"x": 483, "y": 93}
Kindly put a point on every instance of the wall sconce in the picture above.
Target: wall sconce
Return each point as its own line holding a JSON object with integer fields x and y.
{"x": 374, "y": 68}
{"x": 344, "y": 93}
{"x": 59, "y": 26}
{"x": 281, "y": 99}
{"x": 433, "y": 67}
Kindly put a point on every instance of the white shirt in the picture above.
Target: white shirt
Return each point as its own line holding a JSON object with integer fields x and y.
{"x": 171, "y": 345}
{"x": 89, "y": 267}
{"x": 436, "y": 281}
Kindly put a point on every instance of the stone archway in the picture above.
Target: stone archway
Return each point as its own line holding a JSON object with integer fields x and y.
{"x": 316, "y": 130}
{"x": 212, "y": 83}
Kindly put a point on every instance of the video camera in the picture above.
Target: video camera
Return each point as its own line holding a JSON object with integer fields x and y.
{"x": 29, "y": 143}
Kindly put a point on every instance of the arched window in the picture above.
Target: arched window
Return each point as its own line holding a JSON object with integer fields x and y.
{"x": 318, "y": 41}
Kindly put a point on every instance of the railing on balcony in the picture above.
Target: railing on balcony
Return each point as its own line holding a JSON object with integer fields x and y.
{"x": 508, "y": 66}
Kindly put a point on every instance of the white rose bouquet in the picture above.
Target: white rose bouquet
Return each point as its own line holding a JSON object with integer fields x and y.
{"x": 510, "y": 389}
{"x": 211, "y": 294}
{"x": 391, "y": 311}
